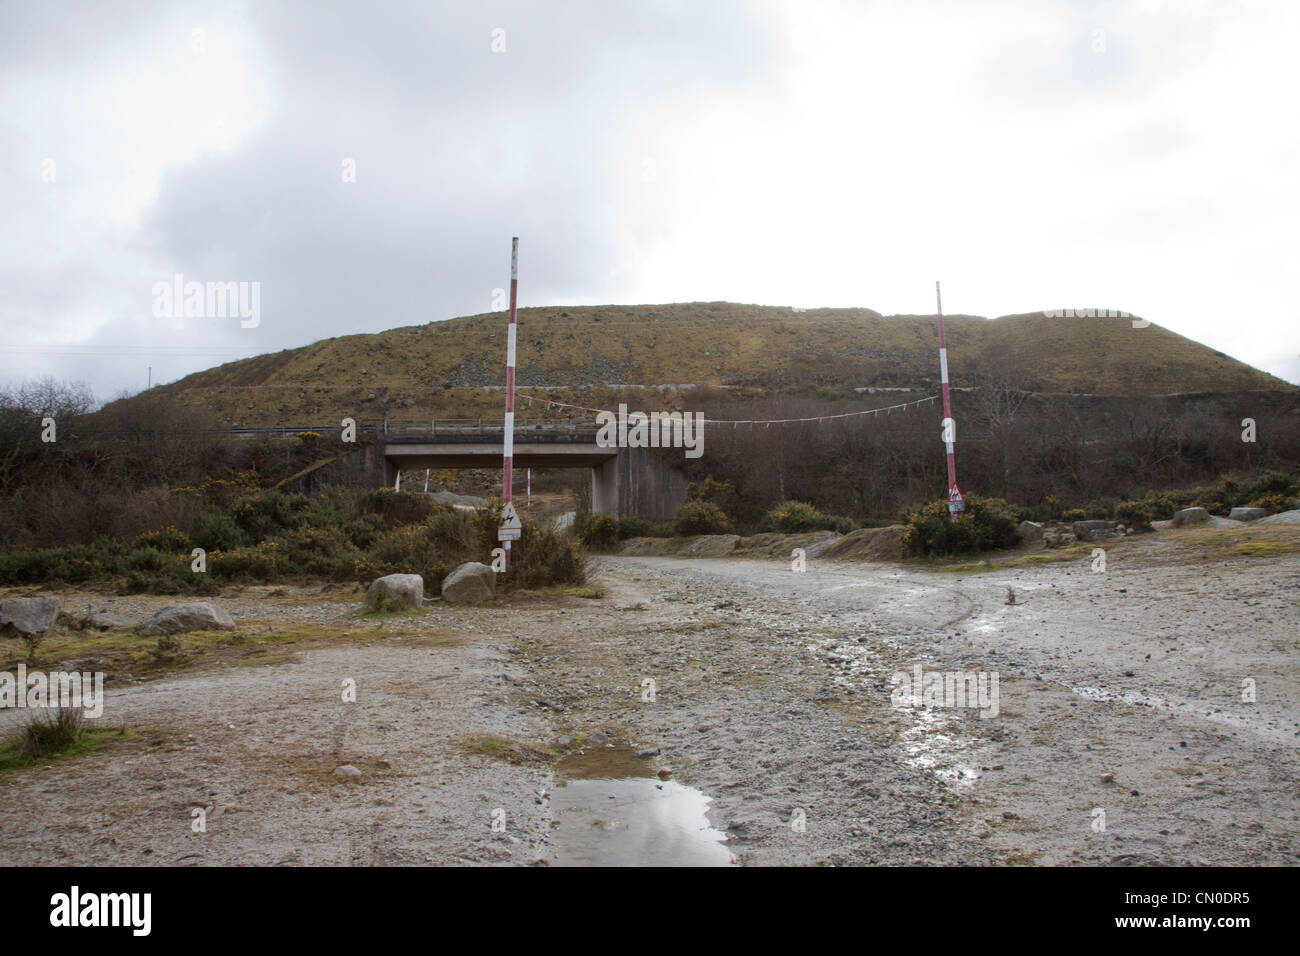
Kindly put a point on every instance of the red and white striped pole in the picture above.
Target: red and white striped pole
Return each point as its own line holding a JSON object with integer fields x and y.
{"x": 508, "y": 438}
{"x": 956, "y": 502}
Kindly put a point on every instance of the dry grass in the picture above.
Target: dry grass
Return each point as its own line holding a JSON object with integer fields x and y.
{"x": 706, "y": 343}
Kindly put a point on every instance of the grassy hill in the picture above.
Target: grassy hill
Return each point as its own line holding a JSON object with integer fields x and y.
{"x": 452, "y": 368}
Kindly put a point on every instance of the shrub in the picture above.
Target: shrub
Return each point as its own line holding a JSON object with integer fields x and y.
{"x": 986, "y": 524}
{"x": 598, "y": 532}
{"x": 1134, "y": 514}
{"x": 1074, "y": 514}
{"x": 52, "y": 732}
{"x": 164, "y": 539}
{"x": 699, "y": 517}
{"x": 792, "y": 517}
{"x": 270, "y": 513}
{"x": 541, "y": 557}
{"x": 218, "y": 531}
{"x": 399, "y": 507}
{"x": 1274, "y": 503}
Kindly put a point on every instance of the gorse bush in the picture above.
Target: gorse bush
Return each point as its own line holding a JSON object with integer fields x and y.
{"x": 792, "y": 517}
{"x": 987, "y": 524}
{"x": 1137, "y": 515}
{"x": 634, "y": 526}
{"x": 273, "y": 536}
{"x": 597, "y": 532}
{"x": 700, "y": 517}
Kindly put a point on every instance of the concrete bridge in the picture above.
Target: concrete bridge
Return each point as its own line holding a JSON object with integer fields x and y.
{"x": 624, "y": 481}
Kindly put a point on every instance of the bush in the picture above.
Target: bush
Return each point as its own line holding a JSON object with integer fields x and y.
{"x": 51, "y": 733}
{"x": 1134, "y": 514}
{"x": 399, "y": 507}
{"x": 598, "y": 532}
{"x": 218, "y": 531}
{"x": 792, "y": 517}
{"x": 986, "y": 524}
{"x": 699, "y": 517}
{"x": 1074, "y": 514}
{"x": 634, "y": 526}
{"x": 1274, "y": 503}
{"x": 270, "y": 513}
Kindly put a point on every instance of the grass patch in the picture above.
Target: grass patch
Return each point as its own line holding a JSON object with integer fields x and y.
{"x": 512, "y": 751}
{"x": 122, "y": 654}
{"x": 50, "y": 737}
{"x": 1246, "y": 542}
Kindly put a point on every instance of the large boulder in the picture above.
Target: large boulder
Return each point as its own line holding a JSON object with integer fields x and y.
{"x": 1247, "y": 514}
{"x": 395, "y": 592}
{"x": 28, "y": 617}
{"x": 469, "y": 584}
{"x": 1190, "y": 516}
{"x": 1030, "y": 531}
{"x": 179, "y": 618}
{"x": 564, "y": 523}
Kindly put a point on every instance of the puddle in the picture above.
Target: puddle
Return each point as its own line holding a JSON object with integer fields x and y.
{"x": 635, "y": 821}
{"x": 599, "y": 763}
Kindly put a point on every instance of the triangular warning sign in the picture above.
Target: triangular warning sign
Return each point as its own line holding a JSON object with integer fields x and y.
{"x": 954, "y": 493}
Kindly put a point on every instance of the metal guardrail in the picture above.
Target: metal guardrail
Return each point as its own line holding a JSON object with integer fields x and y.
{"x": 463, "y": 429}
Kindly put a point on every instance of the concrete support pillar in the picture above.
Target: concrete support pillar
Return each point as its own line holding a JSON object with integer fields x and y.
{"x": 604, "y": 488}
{"x": 390, "y": 473}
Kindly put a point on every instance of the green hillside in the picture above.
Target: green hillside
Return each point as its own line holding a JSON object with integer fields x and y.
{"x": 441, "y": 369}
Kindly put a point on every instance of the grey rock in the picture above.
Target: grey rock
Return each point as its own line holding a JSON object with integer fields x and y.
{"x": 1087, "y": 530}
{"x": 179, "y": 618}
{"x": 646, "y": 754}
{"x": 1190, "y": 516}
{"x": 1247, "y": 514}
{"x": 393, "y": 592}
{"x": 1031, "y": 531}
{"x": 469, "y": 584}
{"x": 347, "y": 771}
{"x": 107, "y": 619}
{"x": 28, "y": 617}
{"x": 564, "y": 522}
{"x": 457, "y": 501}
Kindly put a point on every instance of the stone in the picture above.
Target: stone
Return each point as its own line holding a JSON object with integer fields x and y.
{"x": 394, "y": 592}
{"x": 464, "y": 502}
{"x": 1030, "y": 531}
{"x": 647, "y": 754}
{"x": 1190, "y": 516}
{"x": 1247, "y": 514}
{"x": 1087, "y": 530}
{"x": 179, "y": 618}
{"x": 28, "y": 617}
{"x": 347, "y": 772}
{"x": 470, "y": 583}
{"x": 106, "y": 619}
{"x": 564, "y": 523}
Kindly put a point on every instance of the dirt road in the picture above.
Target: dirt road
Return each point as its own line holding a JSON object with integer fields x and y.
{"x": 1121, "y": 734}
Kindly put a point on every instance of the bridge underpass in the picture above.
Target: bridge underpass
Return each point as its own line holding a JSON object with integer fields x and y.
{"x": 624, "y": 481}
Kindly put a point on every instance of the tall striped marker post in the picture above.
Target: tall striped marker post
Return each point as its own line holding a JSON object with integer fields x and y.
{"x": 510, "y": 523}
{"x": 956, "y": 502}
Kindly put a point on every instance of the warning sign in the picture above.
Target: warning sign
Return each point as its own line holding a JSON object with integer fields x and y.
{"x": 510, "y": 529}
{"x": 955, "y": 500}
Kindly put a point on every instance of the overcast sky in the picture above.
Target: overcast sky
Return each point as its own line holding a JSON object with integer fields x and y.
{"x": 1136, "y": 155}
